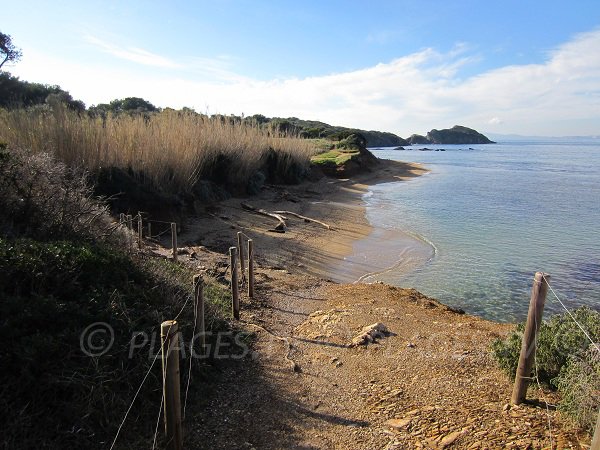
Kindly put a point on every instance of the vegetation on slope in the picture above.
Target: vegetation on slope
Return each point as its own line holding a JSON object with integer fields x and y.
{"x": 169, "y": 152}
{"x": 565, "y": 360}
{"x": 312, "y": 129}
{"x": 347, "y": 157}
{"x": 15, "y": 93}
{"x": 57, "y": 279}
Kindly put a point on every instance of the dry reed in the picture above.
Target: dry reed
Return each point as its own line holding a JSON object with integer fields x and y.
{"x": 171, "y": 150}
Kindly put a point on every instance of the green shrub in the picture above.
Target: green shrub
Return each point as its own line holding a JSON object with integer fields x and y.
{"x": 507, "y": 351}
{"x": 559, "y": 338}
{"x": 579, "y": 384}
{"x": 565, "y": 360}
{"x": 43, "y": 198}
{"x": 354, "y": 141}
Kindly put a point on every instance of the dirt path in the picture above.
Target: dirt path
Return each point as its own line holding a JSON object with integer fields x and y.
{"x": 429, "y": 384}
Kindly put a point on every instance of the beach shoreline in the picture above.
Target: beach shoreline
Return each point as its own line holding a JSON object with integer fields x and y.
{"x": 304, "y": 248}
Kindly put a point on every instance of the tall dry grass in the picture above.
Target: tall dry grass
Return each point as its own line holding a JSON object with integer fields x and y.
{"x": 170, "y": 150}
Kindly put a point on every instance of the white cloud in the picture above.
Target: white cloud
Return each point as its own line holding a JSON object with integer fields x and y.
{"x": 411, "y": 94}
{"x": 133, "y": 54}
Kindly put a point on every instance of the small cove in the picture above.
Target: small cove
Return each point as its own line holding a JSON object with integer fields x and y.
{"x": 474, "y": 231}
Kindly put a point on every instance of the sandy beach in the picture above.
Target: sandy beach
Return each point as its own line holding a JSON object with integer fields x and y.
{"x": 305, "y": 247}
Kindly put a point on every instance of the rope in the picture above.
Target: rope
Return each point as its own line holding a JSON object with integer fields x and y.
{"x": 191, "y": 359}
{"x": 162, "y": 401}
{"x": 245, "y": 235}
{"x": 145, "y": 378}
{"x": 293, "y": 364}
{"x": 160, "y": 234}
{"x": 159, "y": 221}
{"x": 134, "y": 398}
{"x": 571, "y": 315}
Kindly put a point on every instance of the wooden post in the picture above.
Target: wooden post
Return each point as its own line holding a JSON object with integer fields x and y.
{"x": 235, "y": 295}
{"x": 122, "y": 218}
{"x": 171, "y": 395}
{"x": 240, "y": 247}
{"x": 174, "y": 239}
{"x": 596, "y": 439}
{"x": 129, "y": 234}
{"x": 199, "y": 297}
{"x": 250, "y": 268}
{"x": 528, "y": 347}
{"x": 149, "y": 231}
{"x": 139, "y": 224}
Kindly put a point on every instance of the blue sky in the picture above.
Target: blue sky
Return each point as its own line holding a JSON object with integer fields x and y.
{"x": 528, "y": 67}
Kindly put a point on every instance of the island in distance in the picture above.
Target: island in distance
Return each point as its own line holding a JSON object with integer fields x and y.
{"x": 455, "y": 135}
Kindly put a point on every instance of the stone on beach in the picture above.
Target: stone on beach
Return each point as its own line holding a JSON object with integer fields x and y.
{"x": 370, "y": 334}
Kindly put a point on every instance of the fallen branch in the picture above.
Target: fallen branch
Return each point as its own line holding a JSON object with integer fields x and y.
{"x": 306, "y": 219}
{"x": 281, "y": 226}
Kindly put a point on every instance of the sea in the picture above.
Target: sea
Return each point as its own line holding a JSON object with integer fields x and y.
{"x": 473, "y": 231}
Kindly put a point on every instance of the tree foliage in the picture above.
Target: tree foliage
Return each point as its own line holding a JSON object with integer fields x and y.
{"x": 15, "y": 93}
{"x": 8, "y": 51}
{"x": 129, "y": 105}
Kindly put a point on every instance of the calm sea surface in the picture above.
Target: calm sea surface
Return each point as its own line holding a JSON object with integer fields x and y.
{"x": 473, "y": 232}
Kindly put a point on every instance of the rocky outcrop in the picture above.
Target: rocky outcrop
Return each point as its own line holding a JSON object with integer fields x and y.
{"x": 347, "y": 158}
{"x": 418, "y": 139}
{"x": 457, "y": 135}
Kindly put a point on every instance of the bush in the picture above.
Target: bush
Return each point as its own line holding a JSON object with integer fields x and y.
{"x": 354, "y": 141}
{"x": 565, "y": 360}
{"x": 560, "y": 339}
{"x": 41, "y": 197}
{"x": 506, "y": 352}
{"x": 56, "y": 280}
{"x": 579, "y": 384}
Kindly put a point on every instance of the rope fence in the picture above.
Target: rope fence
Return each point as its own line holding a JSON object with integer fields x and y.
{"x": 573, "y": 317}
{"x": 529, "y": 348}
{"x": 170, "y": 406}
{"x": 243, "y": 251}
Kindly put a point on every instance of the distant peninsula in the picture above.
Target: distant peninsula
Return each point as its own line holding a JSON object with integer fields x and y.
{"x": 313, "y": 129}
{"x": 455, "y": 135}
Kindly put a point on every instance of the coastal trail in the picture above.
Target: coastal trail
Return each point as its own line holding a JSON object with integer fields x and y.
{"x": 429, "y": 384}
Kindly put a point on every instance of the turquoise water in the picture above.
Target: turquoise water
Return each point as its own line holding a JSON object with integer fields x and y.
{"x": 484, "y": 220}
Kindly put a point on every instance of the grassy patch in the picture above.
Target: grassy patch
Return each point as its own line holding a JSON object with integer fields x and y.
{"x": 333, "y": 157}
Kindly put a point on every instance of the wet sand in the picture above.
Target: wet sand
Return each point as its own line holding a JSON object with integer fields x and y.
{"x": 306, "y": 247}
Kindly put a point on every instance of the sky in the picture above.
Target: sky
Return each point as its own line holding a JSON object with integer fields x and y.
{"x": 524, "y": 67}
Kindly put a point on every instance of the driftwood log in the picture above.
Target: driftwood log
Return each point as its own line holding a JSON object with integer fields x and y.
{"x": 280, "y": 216}
{"x": 281, "y": 226}
{"x": 306, "y": 219}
